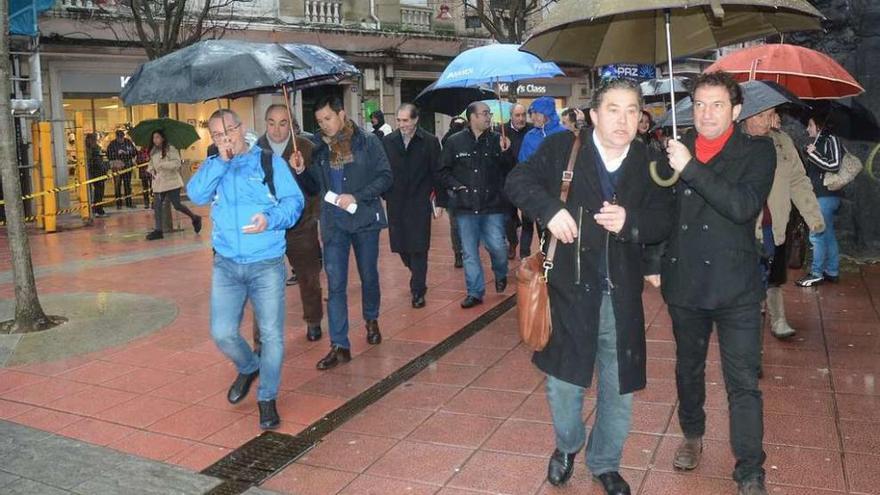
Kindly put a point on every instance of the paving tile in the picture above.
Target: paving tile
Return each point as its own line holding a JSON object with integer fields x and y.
{"x": 91, "y": 400}
{"x": 97, "y": 372}
{"x": 860, "y": 436}
{"x": 856, "y": 382}
{"x": 10, "y": 409}
{"x": 421, "y": 462}
{"x": 142, "y": 380}
{"x": 384, "y": 421}
{"x": 44, "y": 392}
{"x": 799, "y": 402}
{"x": 151, "y": 445}
{"x": 22, "y": 486}
{"x": 198, "y": 456}
{"x": 801, "y": 431}
{"x": 495, "y": 403}
{"x": 471, "y": 356}
{"x": 305, "y": 408}
{"x": 237, "y": 433}
{"x": 10, "y": 379}
{"x": 141, "y": 411}
{"x": 337, "y": 385}
{"x": 648, "y": 417}
{"x": 863, "y": 472}
{"x": 95, "y": 431}
{"x": 448, "y": 374}
{"x": 462, "y": 430}
{"x": 198, "y": 387}
{"x": 799, "y": 378}
{"x": 149, "y": 478}
{"x": 639, "y": 449}
{"x": 419, "y": 395}
{"x": 858, "y": 407}
{"x": 347, "y": 451}
{"x": 717, "y": 460}
{"x": 505, "y": 377}
{"x": 582, "y": 483}
{"x": 523, "y": 438}
{"x": 804, "y": 467}
{"x": 195, "y": 422}
{"x": 501, "y": 473}
{"x": 665, "y": 483}
{"x": 375, "y": 485}
{"x": 46, "y": 419}
{"x": 375, "y": 367}
{"x": 303, "y": 479}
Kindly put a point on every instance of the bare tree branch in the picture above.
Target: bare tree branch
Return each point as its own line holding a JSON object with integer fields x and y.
{"x": 507, "y": 22}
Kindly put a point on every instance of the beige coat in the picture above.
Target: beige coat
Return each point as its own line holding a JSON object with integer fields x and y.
{"x": 165, "y": 171}
{"x": 790, "y": 185}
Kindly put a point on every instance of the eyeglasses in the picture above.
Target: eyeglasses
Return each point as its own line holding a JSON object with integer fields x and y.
{"x": 216, "y": 136}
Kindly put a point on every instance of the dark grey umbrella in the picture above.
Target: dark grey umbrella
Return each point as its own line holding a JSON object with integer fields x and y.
{"x": 450, "y": 101}
{"x": 757, "y": 97}
{"x": 211, "y": 69}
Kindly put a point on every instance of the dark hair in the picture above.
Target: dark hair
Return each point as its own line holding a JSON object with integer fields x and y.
{"x": 413, "y": 110}
{"x": 164, "y": 142}
{"x": 723, "y": 79}
{"x": 276, "y": 106}
{"x": 650, "y": 119}
{"x": 570, "y": 114}
{"x": 120, "y": 132}
{"x": 472, "y": 109}
{"x": 608, "y": 85}
{"x": 91, "y": 140}
{"x": 822, "y": 118}
{"x": 458, "y": 123}
{"x": 332, "y": 101}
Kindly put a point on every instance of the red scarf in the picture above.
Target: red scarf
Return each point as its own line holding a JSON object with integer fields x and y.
{"x": 707, "y": 148}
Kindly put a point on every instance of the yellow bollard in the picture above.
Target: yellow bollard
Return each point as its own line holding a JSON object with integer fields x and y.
{"x": 47, "y": 167}
{"x": 85, "y": 210}
{"x": 36, "y": 179}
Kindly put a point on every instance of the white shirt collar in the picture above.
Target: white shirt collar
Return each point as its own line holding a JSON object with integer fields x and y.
{"x": 610, "y": 165}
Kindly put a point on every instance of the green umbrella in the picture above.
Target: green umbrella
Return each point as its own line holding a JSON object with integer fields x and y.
{"x": 179, "y": 134}
{"x": 653, "y": 31}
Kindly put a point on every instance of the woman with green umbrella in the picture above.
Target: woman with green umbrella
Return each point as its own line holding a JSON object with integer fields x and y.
{"x": 164, "y": 167}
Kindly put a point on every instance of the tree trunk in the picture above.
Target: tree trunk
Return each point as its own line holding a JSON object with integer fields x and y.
{"x": 29, "y": 315}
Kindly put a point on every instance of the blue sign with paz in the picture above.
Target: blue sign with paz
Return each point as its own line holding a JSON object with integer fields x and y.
{"x": 628, "y": 71}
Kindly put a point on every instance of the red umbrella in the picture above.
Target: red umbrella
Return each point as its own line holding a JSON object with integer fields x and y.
{"x": 806, "y": 73}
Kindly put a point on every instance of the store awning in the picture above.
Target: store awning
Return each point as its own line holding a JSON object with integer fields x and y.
{"x": 23, "y": 15}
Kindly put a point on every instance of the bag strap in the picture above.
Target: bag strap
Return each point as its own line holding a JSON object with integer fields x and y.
{"x": 268, "y": 171}
{"x": 567, "y": 176}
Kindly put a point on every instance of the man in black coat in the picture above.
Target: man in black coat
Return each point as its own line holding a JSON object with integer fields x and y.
{"x": 414, "y": 156}
{"x": 596, "y": 282}
{"x": 515, "y": 129}
{"x": 711, "y": 274}
{"x": 472, "y": 169}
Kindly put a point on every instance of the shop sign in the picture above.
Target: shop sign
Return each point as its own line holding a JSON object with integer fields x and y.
{"x": 628, "y": 71}
{"x": 92, "y": 82}
{"x": 538, "y": 89}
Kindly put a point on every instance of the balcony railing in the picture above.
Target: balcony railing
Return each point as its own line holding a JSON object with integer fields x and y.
{"x": 85, "y": 4}
{"x": 415, "y": 18}
{"x": 322, "y": 12}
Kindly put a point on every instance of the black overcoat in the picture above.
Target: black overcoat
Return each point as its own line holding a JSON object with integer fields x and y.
{"x": 413, "y": 169}
{"x": 712, "y": 259}
{"x": 574, "y": 283}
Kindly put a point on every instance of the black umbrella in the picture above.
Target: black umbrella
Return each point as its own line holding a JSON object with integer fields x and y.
{"x": 757, "y": 97}
{"x": 849, "y": 119}
{"x": 211, "y": 69}
{"x": 450, "y": 101}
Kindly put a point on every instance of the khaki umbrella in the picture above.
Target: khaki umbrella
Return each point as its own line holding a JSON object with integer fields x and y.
{"x": 601, "y": 32}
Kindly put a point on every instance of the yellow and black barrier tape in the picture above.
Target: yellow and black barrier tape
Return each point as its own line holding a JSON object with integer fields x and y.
{"x": 64, "y": 211}
{"x": 109, "y": 175}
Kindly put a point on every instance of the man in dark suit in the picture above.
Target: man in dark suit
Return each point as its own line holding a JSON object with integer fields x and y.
{"x": 711, "y": 273}
{"x": 414, "y": 156}
{"x": 303, "y": 247}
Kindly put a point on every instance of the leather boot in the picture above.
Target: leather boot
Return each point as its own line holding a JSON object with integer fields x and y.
{"x": 687, "y": 456}
{"x": 373, "y": 335}
{"x": 560, "y": 468}
{"x": 776, "y": 308}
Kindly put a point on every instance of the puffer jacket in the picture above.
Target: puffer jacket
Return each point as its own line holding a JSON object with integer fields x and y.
{"x": 533, "y": 139}
{"x": 237, "y": 192}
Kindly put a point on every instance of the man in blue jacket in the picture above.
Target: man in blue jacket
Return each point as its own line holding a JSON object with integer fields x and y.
{"x": 350, "y": 171}
{"x": 248, "y": 238}
{"x": 545, "y": 122}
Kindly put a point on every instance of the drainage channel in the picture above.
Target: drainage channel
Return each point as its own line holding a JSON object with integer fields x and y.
{"x": 269, "y": 453}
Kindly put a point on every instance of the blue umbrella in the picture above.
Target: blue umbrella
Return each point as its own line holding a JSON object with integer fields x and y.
{"x": 492, "y": 64}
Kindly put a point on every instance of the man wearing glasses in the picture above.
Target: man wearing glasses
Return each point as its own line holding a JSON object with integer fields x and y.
{"x": 472, "y": 169}
{"x": 249, "y": 245}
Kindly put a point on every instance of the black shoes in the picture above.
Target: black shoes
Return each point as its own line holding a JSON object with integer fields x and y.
{"x": 470, "y": 302}
{"x": 197, "y": 224}
{"x": 334, "y": 357}
{"x": 418, "y": 302}
{"x": 156, "y": 234}
{"x": 269, "y": 419}
{"x": 313, "y": 333}
{"x": 810, "y": 280}
{"x": 831, "y": 278}
{"x": 459, "y": 262}
{"x": 373, "y": 335}
{"x": 293, "y": 280}
{"x": 500, "y": 285}
{"x": 241, "y": 386}
{"x": 613, "y": 483}
{"x": 560, "y": 468}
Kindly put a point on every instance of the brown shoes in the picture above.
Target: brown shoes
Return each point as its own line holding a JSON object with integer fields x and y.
{"x": 373, "y": 335}
{"x": 687, "y": 456}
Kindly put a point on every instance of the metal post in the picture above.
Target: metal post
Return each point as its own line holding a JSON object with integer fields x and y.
{"x": 36, "y": 179}
{"x": 81, "y": 168}
{"x": 47, "y": 167}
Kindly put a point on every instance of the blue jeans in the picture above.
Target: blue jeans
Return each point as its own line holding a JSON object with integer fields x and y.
{"x": 366, "y": 254}
{"x": 489, "y": 229}
{"x": 232, "y": 285}
{"x": 613, "y": 409}
{"x": 826, "y": 254}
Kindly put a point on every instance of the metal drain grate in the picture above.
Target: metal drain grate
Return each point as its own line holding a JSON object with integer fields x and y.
{"x": 265, "y": 455}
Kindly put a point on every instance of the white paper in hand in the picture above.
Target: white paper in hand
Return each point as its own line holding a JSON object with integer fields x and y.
{"x": 333, "y": 198}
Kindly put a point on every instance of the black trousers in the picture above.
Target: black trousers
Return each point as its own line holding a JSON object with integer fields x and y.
{"x": 173, "y": 196}
{"x": 122, "y": 183}
{"x": 739, "y": 339}
{"x": 146, "y": 186}
{"x": 526, "y": 235}
{"x": 98, "y": 195}
{"x": 511, "y": 225}
{"x": 418, "y": 268}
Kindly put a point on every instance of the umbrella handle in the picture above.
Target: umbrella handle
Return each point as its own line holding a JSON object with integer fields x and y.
{"x": 500, "y": 109}
{"x": 660, "y": 181}
{"x": 652, "y": 167}
{"x": 289, "y": 118}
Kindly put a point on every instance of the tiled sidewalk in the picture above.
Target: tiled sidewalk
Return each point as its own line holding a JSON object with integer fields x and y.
{"x": 478, "y": 422}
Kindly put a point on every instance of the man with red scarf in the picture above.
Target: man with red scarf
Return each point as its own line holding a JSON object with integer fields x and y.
{"x": 711, "y": 274}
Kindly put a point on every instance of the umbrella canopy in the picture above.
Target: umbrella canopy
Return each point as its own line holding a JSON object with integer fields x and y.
{"x": 492, "y": 64}
{"x": 658, "y": 87}
{"x": 450, "y": 101}
{"x": 210, "y": 69}
{"x": 497, "y": 107}
{"x": 757, "y": 97}
{"x": 807, "y": 73}
{"x": 179, "y": 134}
{"x": 849, "y": 119}
{"x": 603, "y": 31}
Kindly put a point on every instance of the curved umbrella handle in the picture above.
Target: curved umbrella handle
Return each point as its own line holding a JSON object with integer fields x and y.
{"x": 652, "y": 169}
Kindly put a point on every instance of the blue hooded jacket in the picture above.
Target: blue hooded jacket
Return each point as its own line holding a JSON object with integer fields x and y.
{"x": 547, "y": 106}
{"x": 236, "y": 192}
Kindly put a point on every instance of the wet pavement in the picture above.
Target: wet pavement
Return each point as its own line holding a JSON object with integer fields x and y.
{"x": 474, "y": 421}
